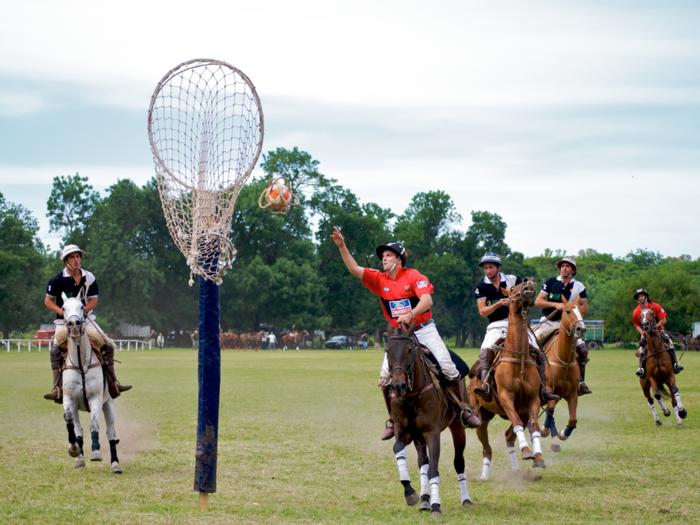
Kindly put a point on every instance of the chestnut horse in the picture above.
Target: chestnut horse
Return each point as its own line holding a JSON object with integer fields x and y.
{"x": 293, "y": 338}
{"x": 659, "y": 372}
{"x": 563, "y": 374}
{"x": 420, "y": 412}
{"x": 517, "y": 393}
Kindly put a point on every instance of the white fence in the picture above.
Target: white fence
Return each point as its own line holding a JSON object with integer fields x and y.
{"x": 27, "y": 343}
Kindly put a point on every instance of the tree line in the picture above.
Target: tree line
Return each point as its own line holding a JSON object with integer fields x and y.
{"x": 288, "y": 272}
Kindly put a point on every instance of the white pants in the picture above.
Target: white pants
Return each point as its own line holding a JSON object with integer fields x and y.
{"x": 499, "y": 329}
{"x": 429, "y": 337}
{"x": 544, "y": 323}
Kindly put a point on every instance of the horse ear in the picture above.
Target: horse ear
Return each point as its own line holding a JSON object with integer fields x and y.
{"x": 411, "y": 329}
{"x": 505, "y": 292}
{"x": 390, "y": 331}
{"x": 64, "y": 297}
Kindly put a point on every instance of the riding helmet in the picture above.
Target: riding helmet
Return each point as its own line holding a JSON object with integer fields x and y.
{"x": 490, "y": 257}
{"x": 568, "y": 260}
{"x": 395, "y": 247}
{"x": 71, "y": 248}
{"x": 639, "y": 292}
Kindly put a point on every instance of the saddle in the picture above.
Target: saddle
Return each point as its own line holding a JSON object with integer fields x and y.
{"x": 459, "y": 363}
{"x": 543, "y": 336}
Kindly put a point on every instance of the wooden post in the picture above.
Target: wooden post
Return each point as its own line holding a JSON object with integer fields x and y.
{"x": 203, "y": 501}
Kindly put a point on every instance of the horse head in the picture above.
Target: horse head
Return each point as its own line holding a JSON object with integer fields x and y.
{"x": 572, "y": 321}
{"x": 523, "y": 295}
{"x": 401, "y": 354}
{"x": 647, "y": 320}
{"x": 74, "y": 315}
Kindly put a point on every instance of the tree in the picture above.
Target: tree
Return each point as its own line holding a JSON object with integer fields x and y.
{"x": 71, "y": 204}
{"x": 22, "y": 260}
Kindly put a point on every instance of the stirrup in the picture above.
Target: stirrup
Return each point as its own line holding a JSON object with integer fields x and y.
{"x": 677, "y": 368}
{"x": 583, "y": 389}
{"x": 640, "y": 373}
{"x": 483, "y": 391}
{"x": 546, "y": 395}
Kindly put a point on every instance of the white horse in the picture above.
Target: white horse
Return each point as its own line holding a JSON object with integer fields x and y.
{"x": 84, "y": 388}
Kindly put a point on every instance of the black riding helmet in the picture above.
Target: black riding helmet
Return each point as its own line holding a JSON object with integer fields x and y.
{"x": 639, "y": 292}
{"x": 395, "y": 247}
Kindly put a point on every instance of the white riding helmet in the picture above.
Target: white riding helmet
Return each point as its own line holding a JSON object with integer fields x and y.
{"x": 71, "y": 248}
{"x": 569, "y": 261}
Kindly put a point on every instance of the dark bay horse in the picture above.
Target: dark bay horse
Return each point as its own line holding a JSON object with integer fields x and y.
{"x": 659, "y": 372}
{"x": 563, "y": 374}
{"x": 421, "y": 412}
{"x": 293, "y": 338}
{"x": 517, "y": 393}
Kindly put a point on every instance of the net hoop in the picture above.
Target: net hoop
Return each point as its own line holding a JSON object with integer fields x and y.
{"x": 206, "y": 128}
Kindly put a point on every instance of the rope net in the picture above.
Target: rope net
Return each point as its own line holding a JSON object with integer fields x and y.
{"x": 205, "y": 124}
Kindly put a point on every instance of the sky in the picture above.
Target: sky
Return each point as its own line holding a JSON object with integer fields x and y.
{"x": 577, "y": 122}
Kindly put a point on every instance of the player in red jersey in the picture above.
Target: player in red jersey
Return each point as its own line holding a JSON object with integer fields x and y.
{"x": 405, "y": 296}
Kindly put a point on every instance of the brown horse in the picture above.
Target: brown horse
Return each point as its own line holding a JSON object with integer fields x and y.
{"x": 420, "y": 412}
{"x": 517, "y": 395}
{"x": 293, "y": 338}
{"x": 251, "y": 339}
{"x": 563, "y": 373}
{"x": 229, "y": 340}
{"x": 659, "y": 372}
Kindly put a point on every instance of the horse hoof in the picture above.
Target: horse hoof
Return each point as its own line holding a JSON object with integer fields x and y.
{"x": 435, "y": 512}
{"x": 424, "y": 503}
{"x": 484, "y": 478}
{"x": 528, "y": 454}
{"x": 412, "y": 499}
{"x": 683, "y": 413}
{"x": 116, "y": 469}
{"x": 538, "y": 463}
{"x": 95, "y": 456}
{"x": 680, "y": 425}
{"x": 563, "y": 436}
{"x": 467, "y": 502}
{"x": 545, "y": 432}
{"x": 658, "y": 423}
{"x": 79, "y": 463}
{"x": 555, "y": 447}
{"x": 73, "y": 450}
{"x": 667, "y": 412}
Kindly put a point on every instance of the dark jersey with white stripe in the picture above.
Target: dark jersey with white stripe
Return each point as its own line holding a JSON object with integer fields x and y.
{"x": 65, "y": 283}
{"x": 555, "y": 290}
{"x": 484, "y": 289}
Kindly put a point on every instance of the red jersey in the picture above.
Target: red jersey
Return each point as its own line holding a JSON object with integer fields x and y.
{"x": 399, "y": 296}
{"x": 659, "y": 313}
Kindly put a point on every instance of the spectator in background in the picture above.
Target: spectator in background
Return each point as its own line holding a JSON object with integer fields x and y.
{"x": 152, "y": 338}
{"x": 363, "y": 341}
{"x": 263, "y": 341}
{"x": 195, "y": 340}
{"x": 271, "y": 341}
{"x": 161, "y": 341}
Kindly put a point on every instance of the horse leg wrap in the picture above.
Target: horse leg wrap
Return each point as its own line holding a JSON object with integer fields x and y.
{"x": 424, "y": 484}
{"x": 513, "y": 459}
{"x": 401, "y": 464}
{"x": 95, "y": 440}
{"x": 519, "y": 432}
{"x": 677, "y": 395}
{"x": 485, "y": 468}
{"x": 537, "y": 442}
{"x": 113, "y": 450}
{"x": 463, "y": 491}
{"x": 568, "y": 430}
{"x": 653, "y": 411}
{"x": 71, "y": 432}
{"x": 80, "y": 443}
{"x": 435, "y": 491}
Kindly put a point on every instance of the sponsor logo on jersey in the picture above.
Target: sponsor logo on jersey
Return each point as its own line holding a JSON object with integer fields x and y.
{"x": 422, "y": 284}
{"x": 386, "y": 289}
{"x": 400, "y": 307}
{"x": 407, "y": 288}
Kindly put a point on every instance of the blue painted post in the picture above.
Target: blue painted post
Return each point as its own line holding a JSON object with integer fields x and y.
{"x": 209, "y": 387}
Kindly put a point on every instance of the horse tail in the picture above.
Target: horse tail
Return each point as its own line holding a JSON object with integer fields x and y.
{"x": 664, "y": 393}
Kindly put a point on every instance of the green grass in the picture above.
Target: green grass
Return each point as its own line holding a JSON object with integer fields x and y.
{"x": 299, "y": 443}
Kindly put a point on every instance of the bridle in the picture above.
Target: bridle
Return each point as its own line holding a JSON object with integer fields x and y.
{"x": 409, "y": 372}
{"x": 573, "y": 325}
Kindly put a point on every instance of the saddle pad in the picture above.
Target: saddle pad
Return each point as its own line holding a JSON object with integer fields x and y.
{"x": 546, "y": 334}
{"x": 462, "y": 367}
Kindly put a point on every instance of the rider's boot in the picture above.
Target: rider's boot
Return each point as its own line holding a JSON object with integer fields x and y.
{"x": 640, "y": 371}
{"x": 55, "y": 394}
{"x": 115, "y": 389}
{"x": 545, "y": 395}
{"x": 582, "y": 358}
{"x": 466, "y": 416}
{"x": 484, "y": 391}
{"x": 676, "y": 365}
{"x": 389, "y": 426}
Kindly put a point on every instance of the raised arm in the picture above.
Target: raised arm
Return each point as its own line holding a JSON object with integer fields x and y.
{"x": 350, "y": 262}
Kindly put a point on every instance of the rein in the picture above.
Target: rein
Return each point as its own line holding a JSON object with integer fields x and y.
{"x": 82, "y": 370}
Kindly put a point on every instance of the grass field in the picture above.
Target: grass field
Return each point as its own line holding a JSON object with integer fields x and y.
{"x": 299, "y": 443}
